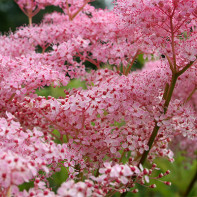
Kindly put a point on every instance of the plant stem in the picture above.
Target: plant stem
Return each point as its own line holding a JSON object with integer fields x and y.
{"x": 170, "y": 91}
{"x": 131, "y": 64}
{"x": 79, "y": 10}
{"x": 190, "y": 186}
{"x": 170, "y": 63}
{"x": 10, "y": 99}
{"x": 9, "y": 192}
{"x": 190, "y": 96}
{"x": 30, "y": 21}
{"x": 186, "y": 67}
{"x": 173, "y": 43}
{"x": 150, "y": 143}
{"x": 167, "y": 96}
{"x": 166, "y": 91}
{"x": 156, "y": 127}
{"x": 122, "y": 155}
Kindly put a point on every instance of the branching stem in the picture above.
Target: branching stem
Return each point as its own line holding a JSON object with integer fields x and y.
{"x": 166, "y": 104}
{"x": 131, "y": 64}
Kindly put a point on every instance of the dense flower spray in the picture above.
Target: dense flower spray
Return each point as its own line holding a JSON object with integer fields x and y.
{"x": 106, "y": 132}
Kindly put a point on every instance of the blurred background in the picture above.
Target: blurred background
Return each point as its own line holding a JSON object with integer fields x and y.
{"x": 182, "y": 170}
{"x": 12, "y": 17}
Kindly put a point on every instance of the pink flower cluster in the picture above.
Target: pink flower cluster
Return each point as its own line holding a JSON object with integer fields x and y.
{"x": 101, "y": 135}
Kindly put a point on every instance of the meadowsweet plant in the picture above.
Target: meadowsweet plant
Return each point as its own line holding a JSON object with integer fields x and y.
{"x": 104, "y": 134}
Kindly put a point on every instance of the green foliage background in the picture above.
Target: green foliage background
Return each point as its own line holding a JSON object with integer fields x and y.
{"x": 12, "y": 17}
{"x": 182, "y": 171}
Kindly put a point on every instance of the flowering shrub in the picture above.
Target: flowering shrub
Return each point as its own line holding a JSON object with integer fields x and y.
{"x": 104, "y": 134}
